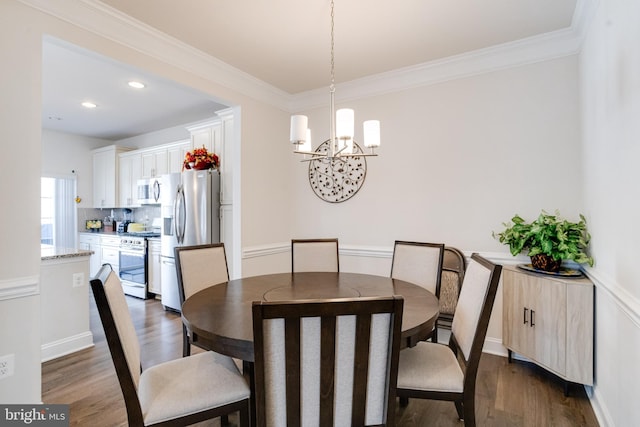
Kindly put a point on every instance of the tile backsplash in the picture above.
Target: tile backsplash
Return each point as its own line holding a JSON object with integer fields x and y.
{"x": 144, "y": 214}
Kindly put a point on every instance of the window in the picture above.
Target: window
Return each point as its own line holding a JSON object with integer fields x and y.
{"x": 58, "y": 218}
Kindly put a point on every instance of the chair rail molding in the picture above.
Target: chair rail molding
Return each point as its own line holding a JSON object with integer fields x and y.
{"x": 628, "y": 304}
{"x": 19, "y": 287}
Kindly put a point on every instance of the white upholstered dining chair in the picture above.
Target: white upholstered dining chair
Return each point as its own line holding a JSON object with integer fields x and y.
{"x": 178, "y": 392}
{"x": 198, "y": 267}
{"x": 314, "y": 255}
{"x": 327, "y": 362}
{"x": 448, "y": 372}
{"x": 419, "y": 263}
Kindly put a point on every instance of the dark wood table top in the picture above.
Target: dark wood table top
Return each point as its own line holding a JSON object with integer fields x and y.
{"x": 221, "y": 314}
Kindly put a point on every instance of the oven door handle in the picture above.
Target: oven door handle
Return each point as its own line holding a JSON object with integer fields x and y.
{"x": 131, "y": 252}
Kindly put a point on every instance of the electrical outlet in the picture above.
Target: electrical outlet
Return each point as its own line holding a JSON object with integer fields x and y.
{"x": 78, "y": 280}
{"x": 6, "y": 365}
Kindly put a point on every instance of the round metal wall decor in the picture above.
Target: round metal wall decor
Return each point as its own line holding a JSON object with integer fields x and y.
{"x": 337, "y": 179}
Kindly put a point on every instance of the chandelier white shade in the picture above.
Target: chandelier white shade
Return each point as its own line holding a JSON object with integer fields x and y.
{"x": 371, "y": 133}
{"x": 299, "y": 129}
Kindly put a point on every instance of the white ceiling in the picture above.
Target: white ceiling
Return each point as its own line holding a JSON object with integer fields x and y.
{"x": 285, "y": 43}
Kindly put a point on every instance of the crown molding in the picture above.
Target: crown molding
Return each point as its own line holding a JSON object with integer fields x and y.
{"x": 103, "y": 20}
{"x": 544, "y": 47}
{"x": 107, "y": 22}
{"x": 514, "y": 54}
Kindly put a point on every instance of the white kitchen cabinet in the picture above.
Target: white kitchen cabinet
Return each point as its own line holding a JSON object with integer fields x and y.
{"x": 129, "y": 172}
{"x": 549, "y": 320}
{"x": 224, "y": 151}
{"x": 110, "y": 251}
{"x": 207, "y": 134}
{"x": 154, "y": 266}
{"x": 91, "y": 242}
{"x": 175, "y": 155}
{"x": 217, "y": 135}
{"x": 155, "y": 162}
{"x": 106, "y": 176}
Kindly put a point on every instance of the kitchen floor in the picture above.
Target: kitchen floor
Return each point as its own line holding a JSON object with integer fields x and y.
{"x": 516, "y": 394}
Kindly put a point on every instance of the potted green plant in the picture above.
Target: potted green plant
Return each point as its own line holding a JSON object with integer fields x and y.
{"x": 549, "y": 240}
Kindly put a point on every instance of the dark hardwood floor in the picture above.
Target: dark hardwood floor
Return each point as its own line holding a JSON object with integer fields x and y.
{"x": 516, "y": 394}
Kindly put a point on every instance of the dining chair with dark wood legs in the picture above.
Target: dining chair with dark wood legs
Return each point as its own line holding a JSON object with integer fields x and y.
{"x": 314, "y": 255}
{"x": 178, "y": 392}
{"x": 419, "y": 263}
{"x": 198, "y": 267}
{"x": 448, "y": 372}
{"x": 327, "y": 362}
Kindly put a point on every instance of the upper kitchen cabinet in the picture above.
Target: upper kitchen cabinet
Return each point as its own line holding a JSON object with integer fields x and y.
{"x": 226, "y": 142}
{"x": 106, "y": 176}
{"x": 216, "y": 135}
{"x": 175, "y": 155}
{"x": 206, "y": 134}
{"x": 129, "y": 172}
{"x": 155, "y": 162}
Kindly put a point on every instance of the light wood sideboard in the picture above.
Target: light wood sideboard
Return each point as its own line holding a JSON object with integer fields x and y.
{"x": 549, "y": 320}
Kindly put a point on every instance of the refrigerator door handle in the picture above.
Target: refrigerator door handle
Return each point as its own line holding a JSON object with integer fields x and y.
{"x": 179, "y": 214}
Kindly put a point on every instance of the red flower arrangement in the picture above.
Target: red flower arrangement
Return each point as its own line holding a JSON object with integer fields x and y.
{"x": 200, "y": 159}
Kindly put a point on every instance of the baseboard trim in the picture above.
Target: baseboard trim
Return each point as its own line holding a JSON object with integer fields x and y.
{"x": 66, "y": 346}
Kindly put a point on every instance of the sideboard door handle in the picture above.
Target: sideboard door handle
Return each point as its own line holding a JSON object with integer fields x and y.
{"x": 524, "y": 319}
{"x": 533, "y": 318}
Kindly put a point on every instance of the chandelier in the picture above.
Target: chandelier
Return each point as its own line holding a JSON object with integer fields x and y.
{"x": 340, "y": 144}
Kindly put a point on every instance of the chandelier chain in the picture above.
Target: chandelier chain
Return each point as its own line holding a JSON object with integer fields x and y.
{"x": 332, "y": 54}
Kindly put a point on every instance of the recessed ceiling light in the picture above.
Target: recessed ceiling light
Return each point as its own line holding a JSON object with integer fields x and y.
{"x": 136, "y": 85}
{"x": 88, "y": 104}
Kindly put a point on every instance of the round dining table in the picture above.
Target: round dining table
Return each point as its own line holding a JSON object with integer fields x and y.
{"x": 220, "y": 317}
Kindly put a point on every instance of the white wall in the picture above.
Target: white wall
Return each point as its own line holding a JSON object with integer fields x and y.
{"x": 20, "y": 177}
{"x": 67, "y": 154}
{"x": 610, "y": 89}
{"x": 64, "y": 307}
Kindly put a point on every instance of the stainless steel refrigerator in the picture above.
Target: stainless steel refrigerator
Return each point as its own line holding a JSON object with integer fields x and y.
{"x": 190, "y": 207}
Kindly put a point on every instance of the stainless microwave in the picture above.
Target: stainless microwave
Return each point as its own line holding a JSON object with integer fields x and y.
{"x": 149, "y": 191}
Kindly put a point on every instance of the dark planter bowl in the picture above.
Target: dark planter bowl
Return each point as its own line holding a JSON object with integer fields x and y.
{"x": 545, "y": 263}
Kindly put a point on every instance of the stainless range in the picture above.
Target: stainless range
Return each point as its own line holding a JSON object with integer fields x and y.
{"x": 133, "y": 266}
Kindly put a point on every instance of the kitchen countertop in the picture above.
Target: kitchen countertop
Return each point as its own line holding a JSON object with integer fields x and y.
{"x": 113, "y": 233}
{"x": 48, "y": 252}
